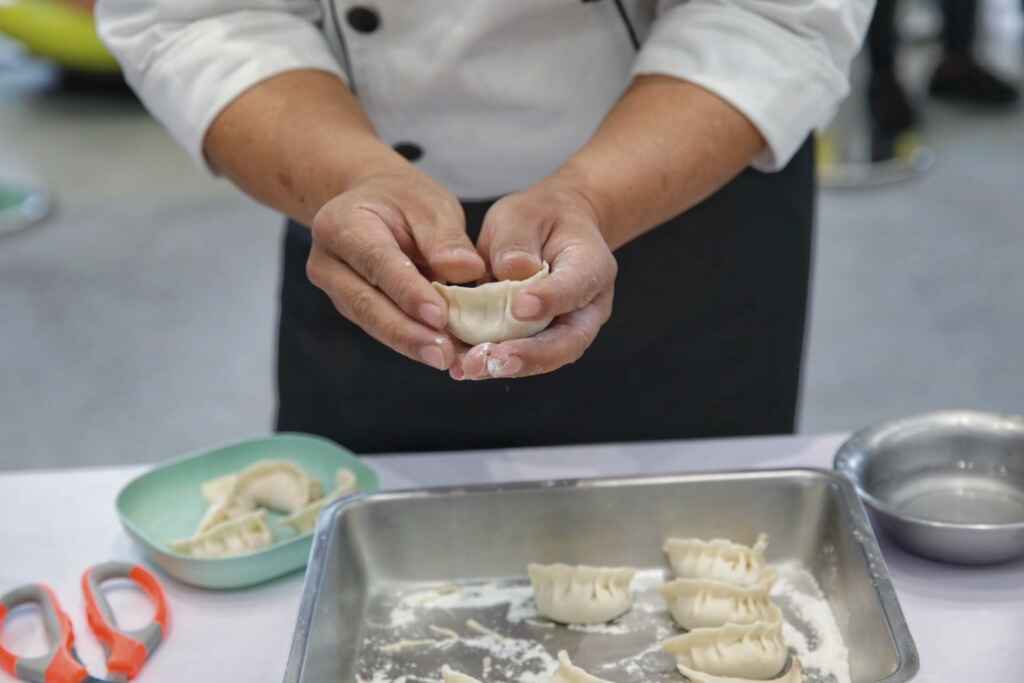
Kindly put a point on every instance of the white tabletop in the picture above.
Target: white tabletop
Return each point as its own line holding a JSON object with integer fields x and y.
{"x": 967, "y": 622}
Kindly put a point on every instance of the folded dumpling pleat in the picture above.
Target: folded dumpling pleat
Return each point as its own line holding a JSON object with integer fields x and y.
{"x": 581, "y": 594}
{"x": 793, "y": 674}
{"x": 238, "y": 536}
{"x": 720, "y": 560}
{"x": 217, "y": 490}
{"x": 754, "y": 651}
{"x": 222, "y": 511}
{"x": 702, "y": 603}
{"x": 304, "y": 520}
{"x": 279, "y": 485}
{"x": 484, "y": 314}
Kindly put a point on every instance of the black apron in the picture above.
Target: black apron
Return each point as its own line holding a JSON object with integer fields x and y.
{"x": 705, "y": 340}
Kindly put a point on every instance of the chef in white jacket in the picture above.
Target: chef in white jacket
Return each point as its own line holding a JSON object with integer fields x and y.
{"x": 654, "y": 153}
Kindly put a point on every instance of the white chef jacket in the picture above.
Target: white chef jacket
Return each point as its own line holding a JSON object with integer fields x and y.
{"x": 489, "y": 96}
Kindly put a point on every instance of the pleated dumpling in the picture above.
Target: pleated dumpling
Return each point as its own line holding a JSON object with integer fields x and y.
{"x": 484, "y": 313}
{"x": 222, "y": 511}
{"x": 239, "y": 536}
{"x": 219, "y": 489}
{"x": 793, "y": 674}
{"x": 581, "y": 594}
{"x": 279, "y": 485}
{"x": 720, "y": 560}
{"x": 568, "y": 672}
{"x": 754, "y": 651}
{"x": 304, "y": 520}
{"x": 701, "y": 603}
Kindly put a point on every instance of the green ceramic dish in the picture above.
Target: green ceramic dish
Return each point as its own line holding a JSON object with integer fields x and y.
{"x": 165, "y": 504}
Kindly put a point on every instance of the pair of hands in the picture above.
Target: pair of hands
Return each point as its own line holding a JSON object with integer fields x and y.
{"x": 377, "y": 247}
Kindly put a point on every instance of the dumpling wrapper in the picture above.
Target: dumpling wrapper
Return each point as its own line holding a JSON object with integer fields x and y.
{"x": 304, "y": 520}
{"x": 280, "y": 485}
{"x": 794, "y": 674}
{"x": 704, "y": 603}
{"x": 721, "y": 560}
{"x": 741, "y": 650}
{"x": 217, "y": 490}
{"x": 580, "y": 594}
{"x": 484, "y": 314}
{"x": 222, "y": 511}
{"x": 240, "y": 536}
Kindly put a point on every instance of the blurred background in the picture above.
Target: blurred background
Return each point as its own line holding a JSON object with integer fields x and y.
{"x": 138, "y": 297}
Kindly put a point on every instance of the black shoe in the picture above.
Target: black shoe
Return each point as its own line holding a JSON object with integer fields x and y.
{"x": 888, "y": 104}
{"x": 960, "y": 78}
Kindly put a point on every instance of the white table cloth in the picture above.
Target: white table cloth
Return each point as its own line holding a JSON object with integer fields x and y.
{"x": 968, "y": 622}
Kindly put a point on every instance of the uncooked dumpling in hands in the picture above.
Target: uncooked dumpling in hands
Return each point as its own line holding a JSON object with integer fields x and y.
{"x": 484, "y": 313}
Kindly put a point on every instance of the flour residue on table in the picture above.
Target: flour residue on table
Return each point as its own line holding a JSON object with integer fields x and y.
{"x": 491, "y": 630}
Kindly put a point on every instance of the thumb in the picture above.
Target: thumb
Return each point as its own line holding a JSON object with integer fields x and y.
{"x": 512, "y": 243}
{"x": 442, "y": 240}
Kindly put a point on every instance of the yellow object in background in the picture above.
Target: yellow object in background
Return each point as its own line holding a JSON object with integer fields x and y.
{"x": 57, "y": 31}
{"x": 825, "y": 149}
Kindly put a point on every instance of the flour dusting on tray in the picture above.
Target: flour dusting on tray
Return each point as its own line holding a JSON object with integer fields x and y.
{"x": 491, "y": 630}
{"x": 810, "y": 628}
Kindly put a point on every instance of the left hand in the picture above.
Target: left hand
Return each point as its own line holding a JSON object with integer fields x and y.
{"x": 553, "y": 221}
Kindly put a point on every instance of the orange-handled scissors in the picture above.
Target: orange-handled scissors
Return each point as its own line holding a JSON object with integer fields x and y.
{"x": 126, "y": 651}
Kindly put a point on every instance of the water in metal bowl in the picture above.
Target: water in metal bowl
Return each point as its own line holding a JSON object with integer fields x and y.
{"x": 948, "y": 486}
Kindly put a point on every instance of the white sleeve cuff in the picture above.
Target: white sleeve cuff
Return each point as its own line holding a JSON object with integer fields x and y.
{"x": 188, "y": 72}
{"x": 773, "y": 76}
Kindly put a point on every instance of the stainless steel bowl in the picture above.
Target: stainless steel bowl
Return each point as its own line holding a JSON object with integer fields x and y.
{"x": 948, "y": 485}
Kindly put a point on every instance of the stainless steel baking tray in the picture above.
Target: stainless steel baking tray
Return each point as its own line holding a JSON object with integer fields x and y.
{"x": 393, "y": 576}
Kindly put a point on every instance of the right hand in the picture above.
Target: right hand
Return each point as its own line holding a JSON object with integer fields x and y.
{"x": 375, "y": 249}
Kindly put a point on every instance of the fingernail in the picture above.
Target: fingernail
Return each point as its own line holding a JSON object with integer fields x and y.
{"x": 526, "y": 306}
{"x": 464, "y": 253}
{"x": 518, "y": 255}
{"x": 504, "y": 367}
{"x": 433, "y": 356}
{"x": 431, "y": 315}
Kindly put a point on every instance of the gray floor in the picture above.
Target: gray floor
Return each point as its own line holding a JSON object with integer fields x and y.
{"x": 137, "y": 323}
